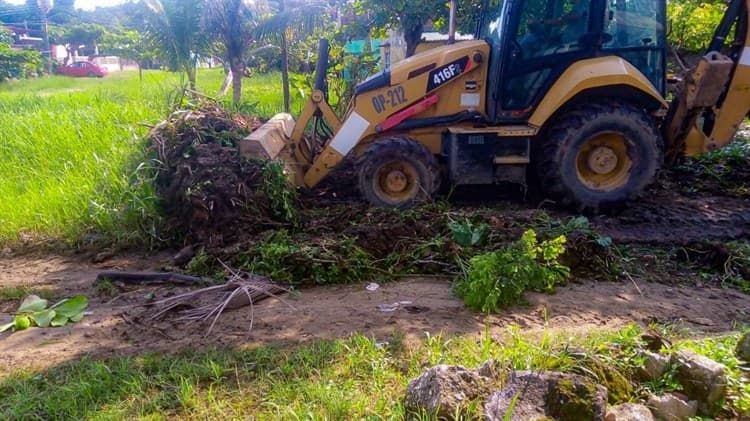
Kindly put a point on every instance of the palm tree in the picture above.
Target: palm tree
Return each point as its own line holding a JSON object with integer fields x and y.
{"x": 173, "y": 26}
{"x": 232, "y": 23}
{"x": 290, "y": 17}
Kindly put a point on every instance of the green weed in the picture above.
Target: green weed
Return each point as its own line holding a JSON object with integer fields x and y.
{"x": 737, "y": 266}
{"x": 300, "y": 260}
{"x": 106, "y": 287}
{"x": 498, "y": 279}
{"x": 203, "y": 264}
{"x": 280, "y": 192}
{"x": 467, "y": 233}
{"x": 19, "y": 292}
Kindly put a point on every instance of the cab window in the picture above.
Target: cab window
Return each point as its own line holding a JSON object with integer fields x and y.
{"x": 547, "y": 27}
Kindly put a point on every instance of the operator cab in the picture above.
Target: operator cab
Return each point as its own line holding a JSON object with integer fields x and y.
{"x": 532, "y": 42}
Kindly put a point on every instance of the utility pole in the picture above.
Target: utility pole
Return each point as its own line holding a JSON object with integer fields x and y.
{"x": 45, "y": 6}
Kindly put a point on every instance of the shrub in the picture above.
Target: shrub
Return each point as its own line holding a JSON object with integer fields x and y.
{"x": 19, "y": 63}
{"x": 499, "y": 278}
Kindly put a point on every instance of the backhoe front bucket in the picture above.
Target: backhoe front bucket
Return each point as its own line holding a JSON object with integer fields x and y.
{"x": 271, "y": 141}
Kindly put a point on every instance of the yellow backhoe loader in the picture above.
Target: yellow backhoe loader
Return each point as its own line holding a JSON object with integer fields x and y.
{"x": 573, "y": 89}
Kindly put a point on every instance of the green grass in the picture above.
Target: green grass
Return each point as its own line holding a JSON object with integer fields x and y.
{"x": 69, "y": 160}
{"x": 17, "y": 293}
{"x": 353, "y": 378}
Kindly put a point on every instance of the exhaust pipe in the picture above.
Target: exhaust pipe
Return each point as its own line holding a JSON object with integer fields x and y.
{"x": 452, "y": 22}
{"x": 321, "y": 67}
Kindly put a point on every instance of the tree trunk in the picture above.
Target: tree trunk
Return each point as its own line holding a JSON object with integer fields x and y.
{"x": 191, "y": 76}
{"x": 227, "y": 79}
{"x": 236, "y": 72}
{"x": 412, "y": 36}
{"x": 285, "y": 71}
{"x": 284, "y": 63}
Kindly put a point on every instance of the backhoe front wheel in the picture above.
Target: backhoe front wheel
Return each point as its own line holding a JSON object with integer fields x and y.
{"x": 398, "y": 172}
{"x": 599, "y": 155}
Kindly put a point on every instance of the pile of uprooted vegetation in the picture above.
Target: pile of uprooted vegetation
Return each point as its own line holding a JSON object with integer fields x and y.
{"x": 243, "y": 213}
{"x": 210, "y": 194}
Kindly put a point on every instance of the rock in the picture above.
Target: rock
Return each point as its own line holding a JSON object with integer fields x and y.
{"x": 654, "y": 340}
{"x": 619, "y": 388}
{"x": 743, "y": 347}
{"x": 444, "y": 391}
{"x": 702, "y": 378}
{"x": 703, "y": 321}
{"x": 671, "y": 408}
{"x": 654, "y": 366}
{"x": 183, "y": 256}
{"x": 102, "y": 256}
{"x": 543, "y": 395}
{"x": 629, "y": 412}
{"x": 493, "y": 369}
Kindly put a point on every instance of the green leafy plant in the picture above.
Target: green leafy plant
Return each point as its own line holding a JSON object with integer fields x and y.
{"x": 33, "y": 311}
{"x": 693, "y": 23}
{"x": 467, "y": 234}
{"x": 499, "y": 278}
{"x": 301, "y": 260}
{"x": 551, "y": 227}
{"x": 279, "y": 190}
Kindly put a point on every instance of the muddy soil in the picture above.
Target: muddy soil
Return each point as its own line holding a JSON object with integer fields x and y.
{"x": 119, "y": 324}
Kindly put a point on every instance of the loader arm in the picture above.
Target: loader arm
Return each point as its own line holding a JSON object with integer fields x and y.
{"x": 408, "y": 94}
{"x": 714, "y": 97}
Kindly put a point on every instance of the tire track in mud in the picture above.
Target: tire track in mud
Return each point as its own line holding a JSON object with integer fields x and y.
{"x": 669, "y": 218}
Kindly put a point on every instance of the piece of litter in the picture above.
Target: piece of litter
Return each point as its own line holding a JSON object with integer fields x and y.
{"x": 379, "y": 345}
{"x": 405, "y": 303}
{"x": 387, "y": 308}
{"x": 372, "y": 286}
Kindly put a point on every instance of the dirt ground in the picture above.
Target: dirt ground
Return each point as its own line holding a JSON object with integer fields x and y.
{"x": 120, "y": 324}
{"x": 673, "y": 214}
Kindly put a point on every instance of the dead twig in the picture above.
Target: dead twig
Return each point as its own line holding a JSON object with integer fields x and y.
{"x": 633, "y": 281}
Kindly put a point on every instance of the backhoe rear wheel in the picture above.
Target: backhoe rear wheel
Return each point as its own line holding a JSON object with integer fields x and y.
{"x": 599, "y": 155}
{"x": 398, "y": 172}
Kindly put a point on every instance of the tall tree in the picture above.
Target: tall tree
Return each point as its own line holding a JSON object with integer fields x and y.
{"x": 290, "y": 18}
{"x": 408, "y": 16}
{"x": 130, "y": 45}
{"x": 411, "y": 16}
{"x": 232, "y": 23}
{"x": 75, "y": 36}
{"x": 62, "y": 12}
{"x": 174, "y": 26}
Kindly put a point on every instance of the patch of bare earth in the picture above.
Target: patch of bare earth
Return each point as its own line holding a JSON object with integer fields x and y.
{"x": 121, "y": 324}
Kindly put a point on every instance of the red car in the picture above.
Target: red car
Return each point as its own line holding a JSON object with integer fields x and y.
{"x": 83, "y": 69}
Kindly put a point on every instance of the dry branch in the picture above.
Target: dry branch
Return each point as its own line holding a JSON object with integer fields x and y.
{"x": 144, "y": 277}
{"x": 242, "y": 289}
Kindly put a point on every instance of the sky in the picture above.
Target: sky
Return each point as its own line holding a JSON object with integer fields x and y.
{"x": 83, "y": 4}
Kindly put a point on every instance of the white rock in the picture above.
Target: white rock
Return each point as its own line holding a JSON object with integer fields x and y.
{"x": 629, "y": 412}
{"x": 671, "y": 408}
